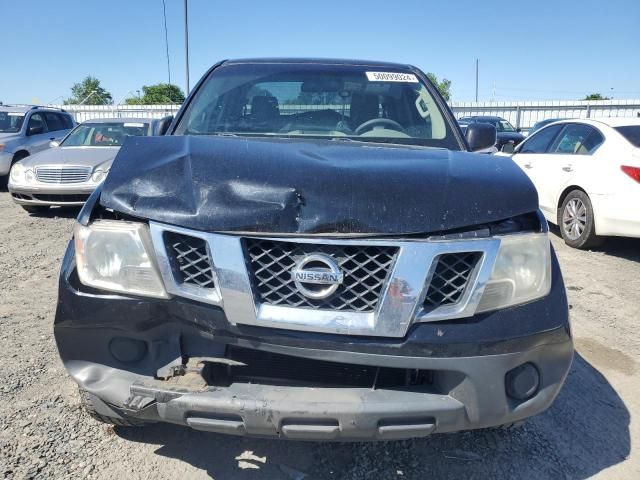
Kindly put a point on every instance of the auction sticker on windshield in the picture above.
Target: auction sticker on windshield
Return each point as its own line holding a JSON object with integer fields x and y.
{"x": 391, "y": 77}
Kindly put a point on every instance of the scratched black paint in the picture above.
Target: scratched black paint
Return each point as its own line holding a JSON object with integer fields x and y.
{"x": 312, "y": 186}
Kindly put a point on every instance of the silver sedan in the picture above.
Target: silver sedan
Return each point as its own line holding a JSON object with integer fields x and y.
{"x": 68, "y": 173}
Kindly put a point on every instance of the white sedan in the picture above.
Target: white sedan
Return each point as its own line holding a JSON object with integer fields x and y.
{"x": 587, "y": 173}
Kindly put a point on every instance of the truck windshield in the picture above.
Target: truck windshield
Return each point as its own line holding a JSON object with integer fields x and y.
{"x": 104, "y": 134}
{"x": 373, "y": 104}
{"x": 11, "y": 122}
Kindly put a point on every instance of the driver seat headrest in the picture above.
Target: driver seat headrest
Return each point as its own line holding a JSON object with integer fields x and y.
{"x": 264, "y": 107}
{"x": 364, "y": 106}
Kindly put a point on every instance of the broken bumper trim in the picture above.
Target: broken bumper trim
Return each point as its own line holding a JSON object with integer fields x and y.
{"x": 470, "y": 394}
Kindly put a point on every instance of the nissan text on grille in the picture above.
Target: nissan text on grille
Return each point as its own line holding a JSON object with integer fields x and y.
{"x": 314, "y": 251}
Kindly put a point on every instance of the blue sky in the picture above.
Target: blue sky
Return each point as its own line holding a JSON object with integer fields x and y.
{"x": 527, "y": 50}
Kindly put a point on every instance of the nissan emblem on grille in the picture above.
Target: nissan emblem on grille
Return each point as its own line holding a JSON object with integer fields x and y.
{"x": 317, "y": 276}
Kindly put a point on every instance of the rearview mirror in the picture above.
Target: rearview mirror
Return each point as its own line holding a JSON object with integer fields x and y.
{"x": 54, "y": 144}
{"x": 480, "y": 136}
{"x": 321, "y": 85}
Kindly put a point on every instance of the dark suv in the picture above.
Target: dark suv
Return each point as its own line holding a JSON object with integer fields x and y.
{"x": 506, "y": 133}
{"x": 313, "y": 253}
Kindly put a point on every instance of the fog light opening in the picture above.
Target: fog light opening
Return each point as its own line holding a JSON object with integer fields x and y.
{"x": 127, "y": 350}
{"x": 522, "y": 382}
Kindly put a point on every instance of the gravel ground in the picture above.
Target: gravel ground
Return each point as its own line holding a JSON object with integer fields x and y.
{"x": 44, "y": 434}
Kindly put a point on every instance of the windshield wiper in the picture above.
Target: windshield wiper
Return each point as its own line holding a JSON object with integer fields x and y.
{"x": 223, "y": 134}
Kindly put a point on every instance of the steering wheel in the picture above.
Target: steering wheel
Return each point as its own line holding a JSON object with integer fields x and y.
{"x": 385, "y": 122}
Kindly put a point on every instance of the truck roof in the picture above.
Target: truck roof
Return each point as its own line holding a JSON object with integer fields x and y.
{"x": 321, "y": 61}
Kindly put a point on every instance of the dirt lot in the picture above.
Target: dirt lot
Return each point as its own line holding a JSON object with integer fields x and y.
{"x": 588, "y": 432}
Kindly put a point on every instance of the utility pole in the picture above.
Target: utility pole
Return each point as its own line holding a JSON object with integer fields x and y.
{"x": 186, "y": 41}
{"x": 166, "y": 39}
{"x": 476, "y": 80}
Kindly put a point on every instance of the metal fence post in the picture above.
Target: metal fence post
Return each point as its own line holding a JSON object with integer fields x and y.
{"x": 588, "y": 110}
{"x": 517, "y": 116}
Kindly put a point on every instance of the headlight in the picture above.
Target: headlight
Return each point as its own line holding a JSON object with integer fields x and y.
{"x": 118, "y": 256}
{"x": 17, "y": 173}
{"x": 99, "y": 175}
{"x": 522, "y": 272}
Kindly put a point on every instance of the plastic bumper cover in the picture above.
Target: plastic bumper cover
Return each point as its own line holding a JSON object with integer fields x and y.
{"x": 52, "y": 195}
{"x": 468, "y": 393}
{"x": 5, "y": 162}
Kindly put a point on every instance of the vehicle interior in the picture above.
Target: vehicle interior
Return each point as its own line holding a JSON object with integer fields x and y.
{"x": 104, "y": 134}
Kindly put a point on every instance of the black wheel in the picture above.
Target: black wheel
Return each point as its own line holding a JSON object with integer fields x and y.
{"x": 98, "y": 410}
{"x": 575, "y": 219}
{"x": 19, "y": 156}
{"x": 36, "y": 208}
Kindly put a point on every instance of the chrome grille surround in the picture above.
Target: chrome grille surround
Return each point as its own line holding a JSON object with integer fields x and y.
{"x": 401, "y": 301}
{"x": 365, "y": 271}
{"x": 62, "y": 174}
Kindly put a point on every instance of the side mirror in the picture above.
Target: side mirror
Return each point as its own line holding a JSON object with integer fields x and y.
{"x": 54, "y": 144}
{"x": 508, "y": 148}
{"x": 480, "y": 136}
{"x": 164, "y": 125}
{"x": 519, "y": 130}
{"x": 35, "y": 130}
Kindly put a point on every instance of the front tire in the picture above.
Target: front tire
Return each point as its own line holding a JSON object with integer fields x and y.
{"x": 575, "y": 219}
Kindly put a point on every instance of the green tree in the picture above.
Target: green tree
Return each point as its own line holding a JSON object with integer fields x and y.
{"x": 596, "y": 96}
{"x": 443, "y": 86}
{"x": 89, "y": 92}
{"x": 159, "y": 94}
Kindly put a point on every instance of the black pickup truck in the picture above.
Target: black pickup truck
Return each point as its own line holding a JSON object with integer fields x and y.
{"x": 313, "y": 252}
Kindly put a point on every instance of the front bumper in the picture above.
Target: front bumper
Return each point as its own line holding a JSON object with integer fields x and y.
{"x": 5, "y": 162}
{"x": 51, "y": 194}
{"x": 468, "y": 360}
{"x": 468, "y": 393}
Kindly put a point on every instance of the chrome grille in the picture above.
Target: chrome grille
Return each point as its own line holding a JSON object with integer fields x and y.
{"x": 190, "y": 260}
{"x": 63, "y": 174}
{"x": 365, "y": 270}
{"x": 450, "y": 278}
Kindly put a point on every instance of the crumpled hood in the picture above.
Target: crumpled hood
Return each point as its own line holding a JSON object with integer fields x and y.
{"x": 312, "y": 186}
{"x": 84, "y": 156}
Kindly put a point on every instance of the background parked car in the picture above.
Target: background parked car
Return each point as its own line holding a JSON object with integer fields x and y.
{"x": 506, "y": 133}
{"x": 25, "y": 130}
{"x": 463, "y": 126}
{"x": 542, "y": 123}
{"x": 68, "y": 173}
{"x": 587, "y": 173}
